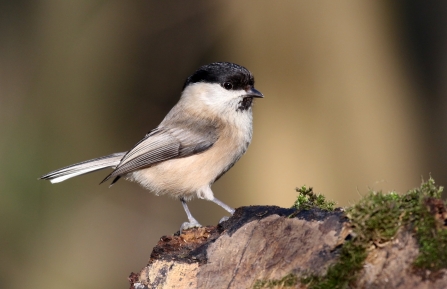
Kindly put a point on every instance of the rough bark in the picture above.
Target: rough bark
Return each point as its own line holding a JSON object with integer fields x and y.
{"x": 268, "y": 243}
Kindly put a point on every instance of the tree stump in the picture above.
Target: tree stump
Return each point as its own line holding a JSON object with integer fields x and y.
{"x": 272, "y": 247}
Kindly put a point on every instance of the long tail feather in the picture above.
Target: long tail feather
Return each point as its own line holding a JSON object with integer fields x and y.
{"x": 110, "y": 161}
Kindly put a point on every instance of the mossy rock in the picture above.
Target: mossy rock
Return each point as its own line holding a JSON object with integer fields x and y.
{"x": 376, "y": 219}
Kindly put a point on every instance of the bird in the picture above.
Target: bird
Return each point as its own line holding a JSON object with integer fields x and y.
{"x": 199, "y": 140}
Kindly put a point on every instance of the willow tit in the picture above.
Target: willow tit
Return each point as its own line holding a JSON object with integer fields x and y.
{"x": 200, "y": 139}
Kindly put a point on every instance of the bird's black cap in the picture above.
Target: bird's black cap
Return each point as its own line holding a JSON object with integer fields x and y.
{"x": 223, "y": 72}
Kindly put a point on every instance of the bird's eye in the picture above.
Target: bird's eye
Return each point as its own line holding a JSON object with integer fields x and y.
{"x": 227, "y": 85}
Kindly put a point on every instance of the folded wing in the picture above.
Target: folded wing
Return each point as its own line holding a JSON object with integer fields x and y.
{"x": 164, "y": 143}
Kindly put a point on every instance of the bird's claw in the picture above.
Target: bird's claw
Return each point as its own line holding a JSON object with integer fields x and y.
{"x": 223, "y": 219}
{"x": 189, "y": 225}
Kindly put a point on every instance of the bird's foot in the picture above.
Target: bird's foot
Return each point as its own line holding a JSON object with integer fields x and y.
{"x": 223, "y": 219}
{"x": 189, "y": 225}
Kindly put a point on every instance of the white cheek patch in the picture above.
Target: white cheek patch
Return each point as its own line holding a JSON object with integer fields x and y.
{"x": 214, "y": 96}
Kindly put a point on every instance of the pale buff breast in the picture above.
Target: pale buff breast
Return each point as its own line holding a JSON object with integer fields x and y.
{"x": 191, "y": 176}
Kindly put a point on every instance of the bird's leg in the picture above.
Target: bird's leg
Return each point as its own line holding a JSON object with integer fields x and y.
{"x": 225, "y": 206}
{"x": 192, "y": 222}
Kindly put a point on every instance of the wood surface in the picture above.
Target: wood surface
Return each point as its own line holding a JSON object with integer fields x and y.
{"x": 268, "y": 243}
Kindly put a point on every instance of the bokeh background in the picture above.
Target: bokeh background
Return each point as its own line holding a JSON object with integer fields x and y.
{"x": 354, "y": 100}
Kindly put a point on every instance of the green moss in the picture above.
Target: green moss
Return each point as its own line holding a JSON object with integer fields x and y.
{"x": 290, "y": 280}
{"x": 375, "y": 219}
{"x": 430, "y": 230}
{"x": 432, "y": 244}
{"x": 341, "y": 274}
{"x": 307, "y": 200}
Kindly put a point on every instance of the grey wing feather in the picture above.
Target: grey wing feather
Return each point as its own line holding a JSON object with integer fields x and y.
{"x": 166, "y": 143}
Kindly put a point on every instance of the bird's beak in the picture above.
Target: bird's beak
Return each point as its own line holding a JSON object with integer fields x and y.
{"x": 252, "y": 92}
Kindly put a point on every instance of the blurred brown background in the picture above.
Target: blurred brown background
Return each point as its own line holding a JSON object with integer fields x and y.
{"x": 354, "y": 99}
